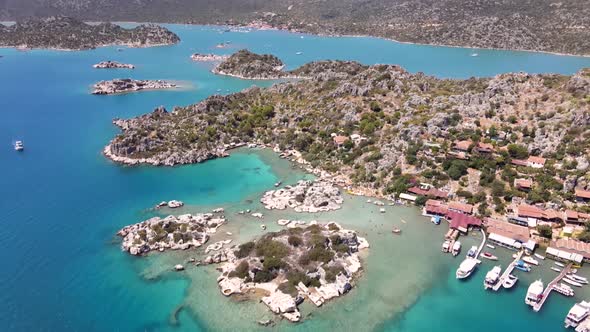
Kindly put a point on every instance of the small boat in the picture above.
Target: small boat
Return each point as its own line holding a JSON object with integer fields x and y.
{"x": 299, "y": 53}
{"x": 18, "y": 146}
{"x": 563, "y": 289}
{"x": 490, "y": 246}
{"x": 474, "y": 54}
{"x": 472, "y": 251}
{"x": 579, "y": 279}
{"x": 521, "y": 265}
{"x": 559, "y": 264}
{"x": 555, "y": 269}
{"x": 534, "y": 294}
{"x": 571, "y": 282}
{"x": 530, "y": 260}
{"x": 396, "y": 230}
{"x": 510, "y": 281}
{"x": 492, "y": 277}
{"x": 466, "y": 268}
{"x": 446, "y": 245}
{"x": 489, "y": 256}
{"x": 540, "y": 256}
{"x": 278, "y": 183}
{"x": 456, "y": 248}
{"x": 435, "y": 220}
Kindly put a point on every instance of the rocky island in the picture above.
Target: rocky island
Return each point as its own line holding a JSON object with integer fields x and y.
{"x": 65, "y": 33}
{"x": 318, "y": 262}
{"x": 248, "y": 65}
{"x": 208, "y": 57}
{"x": 305, "y": 196}
{"x": 175, "y": 233}
{"x": 123, "y": 85}
{"x": 112, "y": 65}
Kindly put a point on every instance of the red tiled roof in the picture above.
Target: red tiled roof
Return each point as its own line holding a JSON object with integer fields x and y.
{"x": 460, "y": 220}
{"x": 529, "y": 211}
{"x": 485, "y": 147}
{"x": 340, "y": 139}
{"x": 437, "y": 193}
{"x": 465, "y": 208}
{"x": 523, "y": 183}
{"x": 574, "y": 246}
{"x": 519, "y": 162}
{"x": 463, "y": 145}
{"x": 571, "y": 214}
{"x": 582, "y": 193}
{"x": 418, "y": 191}
{"x": 536, "y": 160}
{"x": 516, "y": 232}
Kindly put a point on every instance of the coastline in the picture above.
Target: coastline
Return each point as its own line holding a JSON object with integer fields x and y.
{"x": 25, "y": 48}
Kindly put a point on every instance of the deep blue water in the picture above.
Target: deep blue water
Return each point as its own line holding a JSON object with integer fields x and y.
{"x": 61, "y": 202}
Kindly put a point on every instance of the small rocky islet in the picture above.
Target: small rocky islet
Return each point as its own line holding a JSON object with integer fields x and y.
{"x": 112, "y": 65}
{"x": 66, "y": 33}
{"x": 124, "y": 85}
{"x": 305, "y": 196}
{"x": 199, "y": 57}
{"x": 248, "y": 65}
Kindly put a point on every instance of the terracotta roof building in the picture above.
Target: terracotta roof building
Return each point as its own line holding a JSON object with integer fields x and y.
{"x": 529, "y": 211}
{"x": 462, "y": 222}
{"x": 431, "y": 192}
{"x": 461, "y": 207}
{"x": 462, "y": 145}
{"x": 572, "y": 246}
{"x": 536, "y": 162}
{"x": 523, "y": 184}
{"x": 339, "y": 140}
{"x": 484, "y": 147}
{"x": 582, "y": 195}
{"x": 504, "y": 228}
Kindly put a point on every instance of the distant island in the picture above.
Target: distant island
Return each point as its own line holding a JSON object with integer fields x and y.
{"x": 113, "y": 65}
{"x": 65, "y": 33}
{"x": 123, "y": 85}
{"x": 245, "y": 64}
{"x": 541, "y": 25}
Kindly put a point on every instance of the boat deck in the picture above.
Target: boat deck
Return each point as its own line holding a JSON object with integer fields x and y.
{"x": 507, "y": 272}
{"x": 549, "y": 288}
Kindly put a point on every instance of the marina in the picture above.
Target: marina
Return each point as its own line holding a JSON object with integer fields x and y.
{"x": 507, "y": 273}
{"x": 545, "y": 295}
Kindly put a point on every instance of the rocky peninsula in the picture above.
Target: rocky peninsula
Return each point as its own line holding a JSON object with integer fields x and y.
{"x": 175, "y": 233}
{"x": 305, "y": 196}
{"x": 65, "y": 33}
{"x": 208, "y": 57}
{"x": 318, "y": 263}
{"x": 123, "y": 85}
{"x": 248, "y": 65}
{"x": 112, "y": 65}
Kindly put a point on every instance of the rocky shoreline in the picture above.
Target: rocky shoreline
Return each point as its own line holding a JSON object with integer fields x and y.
{"x": 172, "y": 232}
{"x": 305, "y": 196}
{"x": 319, "y": 262}
{"x": 112, "y": 65}
{"x": 124, "y": 85}
{"x": 247, "y": 65}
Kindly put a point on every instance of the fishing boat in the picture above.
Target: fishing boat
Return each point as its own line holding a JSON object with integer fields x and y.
{"x": 510, "y": 281}
{"x": 472, "y": 251}
{"x": 559, "y": 264}
{"x": 555, "y": 269}
{"x": 490, "y": 246}
{"x": 466, "y": 268}
{"x": 456, "y": 248}
{"x": 579, "y": 279}
{"x": 530, "y": 260}
{"x": 540, "y": 256}
{"x": 578, "y": 313}
{"x": 396, "y": 230}
{"x": 571, "y": 282}
{"x": 492, "y": 277}
{"x": 446, "y": 245}
{"x": 18, "y": 146}
{"x": 535, "y": 293}
{"x": 489, "y": 256}
{"x": 563, "y": 289}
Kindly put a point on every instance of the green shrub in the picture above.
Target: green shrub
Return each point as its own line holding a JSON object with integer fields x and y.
{"x": 244, "y": 249}
{"x": 241, "y": 270}
{"x": 295, "y": 240}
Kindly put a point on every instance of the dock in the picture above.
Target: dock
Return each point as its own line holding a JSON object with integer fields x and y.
{"x": 549, "y": 288}
{"x": 507, "y": 272}
{"x": 483, "y": 243}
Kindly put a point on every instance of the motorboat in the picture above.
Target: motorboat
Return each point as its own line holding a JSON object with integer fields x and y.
{"x": 563, "y": 289}
{"x": 446, "y": 245}
{"x": 577, "y": 314}
{"x": 19, "y": 146}
{"x": 579, "y": 279}
{"x": 555, "y": 269}
{"x": 466, "y": 268}
{"x": 490, "y": 246}
{"x": 474, "y": 54}
{"x": 396, "y": 230}
{"x": 571, "y": 282}
{"x": 559, "y": 264}
{"x": 435, "y": 220}
{"x": 456, "y": 248}
{"x": 492, "y": 277}
{"x": 472, "y": 251}
{"x": 530, "y": 260}
{"x": 521, "y": 265}
{"x": 299, "y": 53}
{"x": 510, "y": 281}
{"x": 541, "y": 257}
{"x": 489, "y": 256}
{"x": 535, "y": 293}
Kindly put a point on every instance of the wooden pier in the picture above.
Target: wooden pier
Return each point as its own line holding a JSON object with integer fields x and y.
{"x": 483, "y": 243}
{"x": 549, "y": 288}
{"x": 507, "y": 272}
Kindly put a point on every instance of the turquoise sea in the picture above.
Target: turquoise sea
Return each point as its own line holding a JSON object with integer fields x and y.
{"x": 61, "y": 201}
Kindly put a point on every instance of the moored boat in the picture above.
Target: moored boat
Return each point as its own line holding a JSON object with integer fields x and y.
{"x": 571, "y": 282}
{"x": 490, "y": 246}
{"x": 510, "y": 281}
{"x": 489, "y": 256}
{"x": 492, "y": 277}
{"x": 540, "y": 256}
{"x": 522, "y": 266}
{"x": 577, "y": 278}
{"x": 530, "y": 260}
{"x": 472, "y": 251}
{"x": 456, "y": 248}
{"x": 466, "y": 268}
{"x": 535, "y": 293}
{"x": 555, "y": 269}
{"x": 559, "y": 264}
{"x": 446, "y": 245}
{"x": 563, "y": 289}
{"x": 577, "y": 314}
{"x": 19, "y": 146}
{"x": 435, "y": 220}
{"x": 396, "y": 230}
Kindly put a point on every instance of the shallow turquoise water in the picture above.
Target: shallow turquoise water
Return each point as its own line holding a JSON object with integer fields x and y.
{"x": 61, "y": 202}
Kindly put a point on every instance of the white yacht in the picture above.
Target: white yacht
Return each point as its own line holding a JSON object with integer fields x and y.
{"x": 18, "y": 146}
{"x": 563, "y": 289}
{"x": 579, "y": 279}
{"x": 559, "y": 264}
{"x": 577, "y": 314}
{"x": 446, "y": 245}
{"x": 510, "y": 281}
{"x": 492, "y": 277}
{"x": 466, "y": 268}
{"x": 571, "y": 282}
{"x": 539, "y": 256}
{"x": 456, "y": 248}
{"x": 535, "y": 293}
{"x": 472, "y": 251}
{"x": 530, "y": 260}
